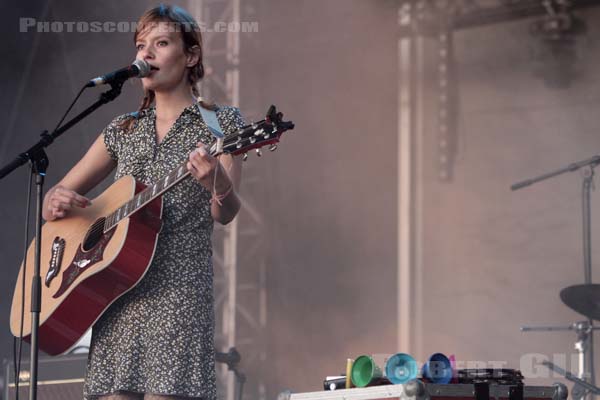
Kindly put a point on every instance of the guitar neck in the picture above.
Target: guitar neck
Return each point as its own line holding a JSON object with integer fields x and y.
{"x": 253, "y": 136}
{"x": 146, "y": 196}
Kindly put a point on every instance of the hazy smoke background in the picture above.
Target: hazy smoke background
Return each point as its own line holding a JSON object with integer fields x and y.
{"x": 492, "y": 259}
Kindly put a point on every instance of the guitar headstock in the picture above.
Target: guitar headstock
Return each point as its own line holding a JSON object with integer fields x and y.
{"x": 266, "y": 132}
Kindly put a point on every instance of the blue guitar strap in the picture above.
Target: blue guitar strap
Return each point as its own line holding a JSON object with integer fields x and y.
{"x": 212, "y": 122}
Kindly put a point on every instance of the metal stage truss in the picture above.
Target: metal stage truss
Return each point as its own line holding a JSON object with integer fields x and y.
{"x": 240, "y": 282}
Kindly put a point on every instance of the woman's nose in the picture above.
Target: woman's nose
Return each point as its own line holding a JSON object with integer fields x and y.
{"x": 147, "y": 54}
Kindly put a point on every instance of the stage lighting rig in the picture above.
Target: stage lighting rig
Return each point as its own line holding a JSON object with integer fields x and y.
{"x": 556, "y": 53}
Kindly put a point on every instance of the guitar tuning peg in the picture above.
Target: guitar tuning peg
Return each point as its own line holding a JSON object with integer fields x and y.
{"x": 245, "y": 157}
{"x": 258, "y": 152}
{"x": 273, "y": 147}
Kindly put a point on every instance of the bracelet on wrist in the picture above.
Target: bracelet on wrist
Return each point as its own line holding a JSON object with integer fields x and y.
{"x": 220, "y": 197}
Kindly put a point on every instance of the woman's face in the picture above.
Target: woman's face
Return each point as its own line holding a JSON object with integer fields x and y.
{"x": 161, "y": 46}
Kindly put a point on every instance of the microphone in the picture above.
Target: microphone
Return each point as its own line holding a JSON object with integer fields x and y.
{"x": 139, "y": 69}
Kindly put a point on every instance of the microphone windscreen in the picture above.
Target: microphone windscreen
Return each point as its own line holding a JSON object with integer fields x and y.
{"x": 143, "y": 67}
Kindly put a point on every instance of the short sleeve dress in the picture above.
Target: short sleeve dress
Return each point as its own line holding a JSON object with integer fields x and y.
{"x": 159, "y": 337}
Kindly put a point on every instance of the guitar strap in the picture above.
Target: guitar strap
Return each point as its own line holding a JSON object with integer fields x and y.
{"x": 210, "y": 118}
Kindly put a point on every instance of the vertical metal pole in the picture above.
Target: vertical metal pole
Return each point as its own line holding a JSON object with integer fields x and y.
{"x": 404, "y": 200}
{"x": 587, "y": 352}
{"x": 404, "y": 167}
{"x": 39, "y": 169}
{"x": 587, "y": 232}
{"x": 262, "y": 319}
{"x": 417, "y": 231}
{"x": 410, "y": 182}
{"x": 231, "y": 230}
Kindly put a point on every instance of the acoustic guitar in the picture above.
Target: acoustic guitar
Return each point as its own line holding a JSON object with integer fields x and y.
{"x": 96, "y": 254}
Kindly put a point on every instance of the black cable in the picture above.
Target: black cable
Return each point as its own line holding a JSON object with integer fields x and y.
{"x": 17, "y": 359}
{"x": 69, "y": 109}
{"x": 591, "y": 352}
{"x": 14, "y": 367}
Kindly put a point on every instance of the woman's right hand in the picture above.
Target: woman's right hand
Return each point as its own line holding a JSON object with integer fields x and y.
{"x": 61, "y": 200}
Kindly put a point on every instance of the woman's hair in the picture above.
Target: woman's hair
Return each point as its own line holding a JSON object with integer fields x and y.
{"x": 181, "y": 21}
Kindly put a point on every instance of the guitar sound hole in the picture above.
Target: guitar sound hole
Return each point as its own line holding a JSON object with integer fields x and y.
{"x": 94, "y": 234}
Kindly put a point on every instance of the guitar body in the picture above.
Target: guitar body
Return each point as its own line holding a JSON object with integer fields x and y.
{"x": 82, "y": 277}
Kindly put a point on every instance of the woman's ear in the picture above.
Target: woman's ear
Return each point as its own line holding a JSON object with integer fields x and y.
{"x": 193, "y": 56}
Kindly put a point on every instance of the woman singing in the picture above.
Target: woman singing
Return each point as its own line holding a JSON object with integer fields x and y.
{"x": 156, "y": 341}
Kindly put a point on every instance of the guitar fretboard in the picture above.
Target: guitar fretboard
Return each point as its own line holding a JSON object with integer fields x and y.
{"x": 146, "y": 196}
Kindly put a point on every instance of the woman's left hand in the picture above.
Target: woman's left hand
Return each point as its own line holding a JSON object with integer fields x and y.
{"x": 202, "y": 166}
{"x": 205, "y": 167}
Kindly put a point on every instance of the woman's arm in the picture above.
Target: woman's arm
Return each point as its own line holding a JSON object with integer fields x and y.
{"x": 222, "y": 178}
{"x": 226, "y": 203}
{"x": 95, "y": 165}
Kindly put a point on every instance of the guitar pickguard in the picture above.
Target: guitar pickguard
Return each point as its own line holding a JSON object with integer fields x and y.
{"x": 82, "y": 261}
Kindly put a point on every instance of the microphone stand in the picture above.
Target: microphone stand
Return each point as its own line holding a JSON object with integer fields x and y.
{"x": 587, "y": 343}
{"x": 39, "y": 163}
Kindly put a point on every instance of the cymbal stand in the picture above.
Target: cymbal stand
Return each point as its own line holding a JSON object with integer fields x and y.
{"x": 583, "y": 329}
{"x": 580, "y": 389}
{"x": 587, "y": 342}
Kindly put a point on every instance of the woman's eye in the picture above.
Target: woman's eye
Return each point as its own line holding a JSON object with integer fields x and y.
{"x": 139, "y": 47}
{"x": 163, "y": 43}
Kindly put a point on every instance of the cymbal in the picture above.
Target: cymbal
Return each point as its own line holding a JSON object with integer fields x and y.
{"x": 585, "y": 299}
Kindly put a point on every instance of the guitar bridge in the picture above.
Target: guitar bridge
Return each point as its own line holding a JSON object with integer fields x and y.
{"x": 58, "y": 248}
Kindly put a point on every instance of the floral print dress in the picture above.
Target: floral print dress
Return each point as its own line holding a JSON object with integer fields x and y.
{"x": 159, "y": 337}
